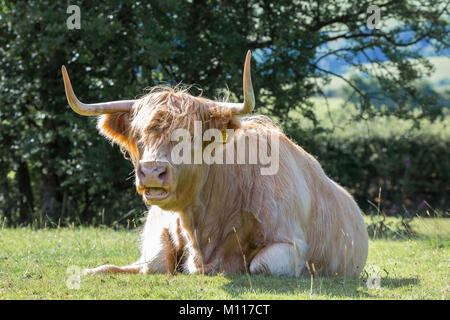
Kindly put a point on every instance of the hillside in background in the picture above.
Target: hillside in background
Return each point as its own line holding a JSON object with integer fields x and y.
{"x": 438, "y": 81}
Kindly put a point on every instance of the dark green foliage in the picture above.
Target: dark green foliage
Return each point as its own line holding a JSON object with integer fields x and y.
{"x": 53, "y": 164}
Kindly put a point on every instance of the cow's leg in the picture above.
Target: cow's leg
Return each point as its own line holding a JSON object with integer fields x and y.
{"x": 109, "y": 268}
{"x": 162, "y": 248}
{"x": 287, "y": 259}
{"x": 158, "y": 256}
{"x": 163, "y": 242}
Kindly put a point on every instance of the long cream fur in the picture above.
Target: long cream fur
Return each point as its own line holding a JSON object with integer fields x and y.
{"x": 234, "y": 219}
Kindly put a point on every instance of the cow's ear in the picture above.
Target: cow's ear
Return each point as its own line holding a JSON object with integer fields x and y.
{"x": 115, "y": 127}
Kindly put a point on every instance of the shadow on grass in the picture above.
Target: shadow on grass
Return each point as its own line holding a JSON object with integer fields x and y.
{"x": 393, "y": 283}
{"x": 322, "y": 287}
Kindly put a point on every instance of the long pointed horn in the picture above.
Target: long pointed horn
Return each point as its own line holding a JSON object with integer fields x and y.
{"x": 94, "y": 109}
{"x": 249, "y": 97}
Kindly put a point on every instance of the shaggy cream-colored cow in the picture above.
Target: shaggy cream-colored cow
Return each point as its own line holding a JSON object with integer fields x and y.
{"x": 210, "y": 218}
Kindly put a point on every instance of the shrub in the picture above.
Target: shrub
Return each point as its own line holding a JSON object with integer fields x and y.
{"x": 410, "y": 165}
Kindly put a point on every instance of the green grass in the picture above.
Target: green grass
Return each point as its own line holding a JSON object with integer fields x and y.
{"x": 34, "y": 263}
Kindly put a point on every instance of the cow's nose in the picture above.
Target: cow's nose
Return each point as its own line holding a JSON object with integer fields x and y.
{"x": 153, "y": 174}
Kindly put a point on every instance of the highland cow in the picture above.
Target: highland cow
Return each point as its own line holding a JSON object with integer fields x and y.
{"x": 227, "y": 218}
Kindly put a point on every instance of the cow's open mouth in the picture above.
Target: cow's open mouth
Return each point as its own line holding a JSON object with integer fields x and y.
{"x": 155, "y": 194}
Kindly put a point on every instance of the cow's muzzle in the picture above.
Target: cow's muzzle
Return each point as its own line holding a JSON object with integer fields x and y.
{"x": 153, "y": 177}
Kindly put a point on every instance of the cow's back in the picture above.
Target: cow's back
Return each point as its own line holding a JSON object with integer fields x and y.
{"x": 302, "y": 204}
{"x": 336, "y": 234}
{"x": 314, "y": 209}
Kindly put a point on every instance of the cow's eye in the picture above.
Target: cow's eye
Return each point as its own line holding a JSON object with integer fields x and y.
{"x": 155, "y": 128}
{"x": 141, "y": 146}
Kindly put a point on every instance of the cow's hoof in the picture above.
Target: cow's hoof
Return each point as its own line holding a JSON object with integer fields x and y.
{"x": 101, "y": 269}
{"x": 88, "y": 271}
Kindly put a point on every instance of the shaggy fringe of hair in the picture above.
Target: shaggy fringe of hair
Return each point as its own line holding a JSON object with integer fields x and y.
{"x": 170, "y": 108}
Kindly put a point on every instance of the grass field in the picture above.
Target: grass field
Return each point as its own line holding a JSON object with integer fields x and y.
{"x": 35, "y": 264}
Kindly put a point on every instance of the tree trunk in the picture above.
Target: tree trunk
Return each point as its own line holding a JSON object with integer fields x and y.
{"x": 49, "y": 196}
{"x": 5, "y": 195}
{"x": 26, "y": 193}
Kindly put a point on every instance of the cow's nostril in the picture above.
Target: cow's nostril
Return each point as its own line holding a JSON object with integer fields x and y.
{"x": 163, "y": 175}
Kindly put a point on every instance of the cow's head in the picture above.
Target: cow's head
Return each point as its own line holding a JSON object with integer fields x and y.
{"x": 144, "y": 128}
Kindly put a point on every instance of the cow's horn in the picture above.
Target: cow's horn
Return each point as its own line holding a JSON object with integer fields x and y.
{"x": 95, "y": 108}
{"x": 249, "y": 97}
